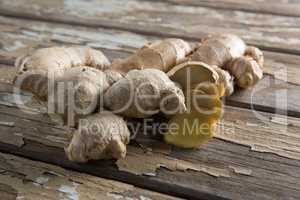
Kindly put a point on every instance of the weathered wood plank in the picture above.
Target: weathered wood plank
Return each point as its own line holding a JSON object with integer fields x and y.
{"x": 17, "y": 37}
{"x": 281, "y": 7}
{"x": 21, "y": 178}
{"x": 255, "y": 155}
{"x": 278, "y": 33}
{"x": 7, "y": 73}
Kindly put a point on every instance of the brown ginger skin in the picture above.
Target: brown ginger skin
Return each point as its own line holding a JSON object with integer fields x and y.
{"x": 35, "y": 69}
{"x": 256, "y": 54}
{"x": 246, "y": 71}
{"x": 229, "y": 52}
{"x": 162, "y": 55}
{"x": 225, "y": 82}
{"x": 219, "y": 49}
{"x": 143, "y": 93}
{"x": 79, "y": 90}
{"x": 99, "y": 136}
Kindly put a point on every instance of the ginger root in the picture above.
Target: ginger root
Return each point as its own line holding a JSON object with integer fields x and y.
{"x": 99, "y": 136}
{"x": 143, "y": 93}
{"x": 79, "y": 92}
{"x": 256, "y": 54}
{"x": 225, "y": 82}
{"x": 33, "y": 69}
{"x": 246, "y": 71}
{"x": 229, "y": 52}
{"x": 202, "y": 74}
{"x": 162, "y": 55}
{"x": 203, "y": 86}
{"x": 219, "y": 49}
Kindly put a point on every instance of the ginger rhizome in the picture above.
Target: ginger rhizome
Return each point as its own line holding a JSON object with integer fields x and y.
{"x": 246, "y": 71}
{"x": 82, "y": 85}
{"x": 229, "y": 52}
{"x": 143, "y": 93}
{"x": 99, "y": 136}
{"x": 203, "y": 89}
{"x": 184, "y": 81}
{"x": 33, "y": 69}
{"x": 79, "y": 91}
{"x": 162, "y": 55}
{"x": 218, "y": 62}
{"x": 256, "y": 54}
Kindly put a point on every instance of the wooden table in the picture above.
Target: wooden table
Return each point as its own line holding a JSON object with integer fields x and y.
{"x": 255, "y": 154}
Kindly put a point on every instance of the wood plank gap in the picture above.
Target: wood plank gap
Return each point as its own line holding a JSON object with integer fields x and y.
{"x": 106, "y": 24}
{"x": 215, "y": 5}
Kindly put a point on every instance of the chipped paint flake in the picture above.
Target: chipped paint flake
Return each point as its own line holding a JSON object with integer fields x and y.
{"x": 16, "y": 45}
{"x": 41, "y": 180}
{"x": 144, "y": 198}
{"x": 279, "y": 120}
{"x": 70, "y": 191}
{"x": 271, "y": 133}
{"x": 10, "y": 124}
{"x": 141, "y": 163}
{"x": 241, "y": 170}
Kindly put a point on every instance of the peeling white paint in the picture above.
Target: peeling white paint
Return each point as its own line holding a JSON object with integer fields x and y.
{"x": 144, "y": 198}
{"x": 101, "y": 38}
{"x": 16, "y": 45}
{"x": 42, "y": 180}
{"x": 70, "y": 191}
{"x": 94, "y": 7}
{"x": 241, "y": 170}
{"x": 115, "y": 196}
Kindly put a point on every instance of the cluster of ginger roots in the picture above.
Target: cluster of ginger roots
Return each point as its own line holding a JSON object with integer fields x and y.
{"x": 183, "y": 81}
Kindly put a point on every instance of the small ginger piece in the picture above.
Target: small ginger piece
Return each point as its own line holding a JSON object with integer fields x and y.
{"x": 246, "y": 71}
{"x": 256, "y": 54}
{"x": 143, "y": 93}
{"x": 34, "y": 70}
{"x": 162, "y": 55}
{"x": 229, "y": 52}
{"x": 99, "y": 136}
{"x": 219, "y": 49}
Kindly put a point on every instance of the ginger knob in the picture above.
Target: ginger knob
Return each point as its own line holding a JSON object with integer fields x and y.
{"x": 246, "y": 71}
{"x": 99, "y": 136}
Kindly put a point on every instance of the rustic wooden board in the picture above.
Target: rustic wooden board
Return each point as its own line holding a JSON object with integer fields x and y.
{"x": 258, "y": 155}
{"x": 255, "y": 155}
{"x": 280, "y": 7}
{"x": 271, "y": 32}
{"x": 25, "y": 179}
{"x": 21, "y": 36}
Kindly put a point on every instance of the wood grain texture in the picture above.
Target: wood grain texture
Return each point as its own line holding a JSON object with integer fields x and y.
{"x": 18, "y": 37}
{"x": 277, "y": 33}
{"x": 255, "y": 155}
{"x": 25, "y": 179}
{"x": 281, "y": 7}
